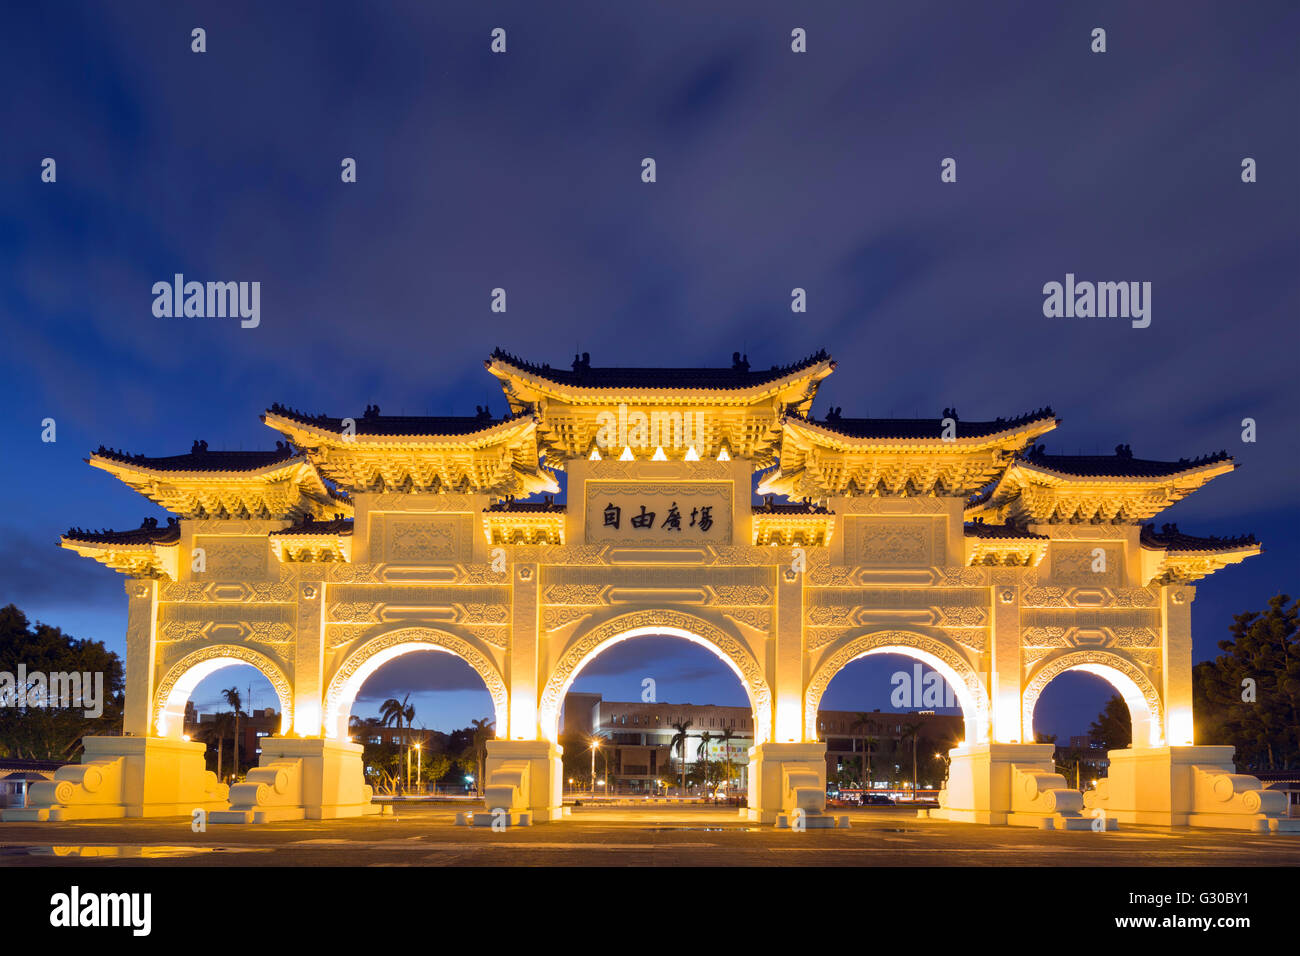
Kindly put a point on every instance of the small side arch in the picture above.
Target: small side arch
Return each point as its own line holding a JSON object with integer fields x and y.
{"x": 379, "y": 650}
{"x": 947, "y": 660}
{"x": 183, "y": 676}
{"x": 1141, "y": 696}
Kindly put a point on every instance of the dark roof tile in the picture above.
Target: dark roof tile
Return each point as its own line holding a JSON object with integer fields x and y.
{"x": 583, "y": 375}
{"x": 200, "y": 459}
{"x": 372, "y": 423}
{"x": 922, "y": 428}
{"x": 147, "y": 533}
{"x": 1120, "y": 465}
{"x": 1169, "y": 538}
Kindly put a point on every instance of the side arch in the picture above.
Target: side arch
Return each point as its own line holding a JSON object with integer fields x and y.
{"x": 672, "y": 623}
{"x": 183, "y": 676}
{"x": 945, "y": 659}
{"x": 343, "y": 687}
{"x": 1141, "y": 696}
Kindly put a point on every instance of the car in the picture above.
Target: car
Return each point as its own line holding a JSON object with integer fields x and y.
{"x": 877, "y": 800}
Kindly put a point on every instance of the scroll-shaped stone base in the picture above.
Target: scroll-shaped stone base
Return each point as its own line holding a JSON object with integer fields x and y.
{"x": 1188, "y": 786}
{"x": 1041, "y": 798}
{"x": 1013, "y": 784}
{"x": 523, "y": 783}
{"x": 127, "y": 777}
{"x": 301, "y": 779}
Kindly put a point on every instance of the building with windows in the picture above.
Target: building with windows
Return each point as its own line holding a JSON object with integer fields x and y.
{"x": 637, "y": 739}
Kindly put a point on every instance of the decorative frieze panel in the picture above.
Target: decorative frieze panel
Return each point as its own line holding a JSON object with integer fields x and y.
{"x": 230, "y": 558}
{"x": 1094, "y": 564}
{"x": 893, "y": 542}
{"x": 411, "y": 539}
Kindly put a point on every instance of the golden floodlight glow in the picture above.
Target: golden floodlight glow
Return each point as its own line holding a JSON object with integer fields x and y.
{"x": 317, "y": 593}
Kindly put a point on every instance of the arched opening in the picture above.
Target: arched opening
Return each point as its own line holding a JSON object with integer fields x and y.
{"x": 888, "y": 719}
{"x": 394, "y": 745}
{"x": 669, "y": 716}
{"x": 1124, "y": 677}
{"x": 229, "y": 699}
{"x": 423, "y": 717}
{"x": 1069, "y": 707}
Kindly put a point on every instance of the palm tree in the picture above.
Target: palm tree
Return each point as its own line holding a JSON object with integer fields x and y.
{"x": 232, "y": 698}
{"x": 393, "y": 711}
{"x": 726, "y": 737}
{"x": 218, "y": 729}
{"x": 679, "y": 745}
{"x": 702, "y": 755}
{"x": 913, "y": 732}
{"x": 409, "y": 713}
{"x": 863, "y": 722}
{"x": 482, "y": 734}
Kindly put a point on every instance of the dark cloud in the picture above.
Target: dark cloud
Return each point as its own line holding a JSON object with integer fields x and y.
{"x": 775, "y": 170}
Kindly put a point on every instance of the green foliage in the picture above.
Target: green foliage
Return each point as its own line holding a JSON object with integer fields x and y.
{"x": 1113, "y": 728}
{"x": 1260, "y": 661}
{"x": 54, "y": 733}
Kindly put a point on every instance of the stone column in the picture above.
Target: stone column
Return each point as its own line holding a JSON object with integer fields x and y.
{"x": 1176, "y": 663}
{"x": 1005, "y": 686}
{"x": 309, "y": 660}
{"x": 141, "y": 658}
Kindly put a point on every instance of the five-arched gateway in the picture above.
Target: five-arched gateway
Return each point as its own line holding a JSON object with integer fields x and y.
{"x": 1141, "y": 696}
{"x": 599, "y": 637}
{"x": 938, "y": 653}
{"x": 182, "y": 677}
{"x": 378, "y": 650}
{"x": 974, "y": 553}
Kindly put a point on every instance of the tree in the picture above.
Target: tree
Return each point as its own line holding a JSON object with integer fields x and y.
{"x": 863, "y": 722}
{"x": 912, "y": 732}
{"x": 702, "y": 756}
{"x": 1113, "y": 728}
{"x": 393, "y": 711}
{"x": 678, "y": 746}
{"x": 726, "y": 737}
{"x": 52, "y": 733}
{"x": 231, "y": 696}
{"x": 1249, "y": 696}
{"x": 218, "y": 729}
{"x": 483, "y": 732}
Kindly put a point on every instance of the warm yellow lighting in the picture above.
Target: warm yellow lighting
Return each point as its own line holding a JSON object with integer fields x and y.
{"x": 692, "y": 454}
{"x": 659, "y": 454}
{"x": 594, "y": 456}
{"x": 627, "y": 454}
{"x": 723, "y": 456}
{"x": 186, "y": 736}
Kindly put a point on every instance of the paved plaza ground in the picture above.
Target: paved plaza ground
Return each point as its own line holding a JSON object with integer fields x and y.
{"x": 426, "y": 835}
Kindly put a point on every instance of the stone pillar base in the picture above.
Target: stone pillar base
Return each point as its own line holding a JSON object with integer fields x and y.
{"x": 301, "y": 779}
{"x": 785, "y": 778}
{"x": 524, "y": 780}
{"x": 1187, "y": 786}
{"x": 127, "y": 777}
{"x": 1015, "y": 784}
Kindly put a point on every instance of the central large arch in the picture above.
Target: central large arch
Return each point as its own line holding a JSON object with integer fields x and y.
{"x": 954, "y": 667}
{"x": 379, "y": 650}
{"x": 644, "y": 623}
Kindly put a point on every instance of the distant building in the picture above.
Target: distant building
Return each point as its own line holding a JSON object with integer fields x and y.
{"x": 640, "y": 735}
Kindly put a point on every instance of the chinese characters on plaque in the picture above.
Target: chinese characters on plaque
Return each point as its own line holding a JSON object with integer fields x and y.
{"x": 701, "y": 518}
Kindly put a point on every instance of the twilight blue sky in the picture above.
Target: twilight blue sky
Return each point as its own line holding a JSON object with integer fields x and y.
{"x": 521, "y": 170}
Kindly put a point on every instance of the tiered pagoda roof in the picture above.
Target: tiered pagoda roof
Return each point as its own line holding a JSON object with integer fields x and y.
{"x": 760, "y": 416}
{"x": 1169, "y": 555}
{"x": 148, "y": 551}
{"x": 740, "y": 407}
{"x": 1040, "y": 488}
{"x": 282, "y": 483}
{"x": 852, "y": 457}
{"x": 374, "y": 452}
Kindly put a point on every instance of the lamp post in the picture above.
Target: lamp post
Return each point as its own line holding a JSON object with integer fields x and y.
{"x": 595, "y": 745}
{"x": 419, "y": 765}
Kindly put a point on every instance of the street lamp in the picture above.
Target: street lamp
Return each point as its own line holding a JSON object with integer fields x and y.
{"x": 595, "y": 745}
{"x": 419, "y": 782}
